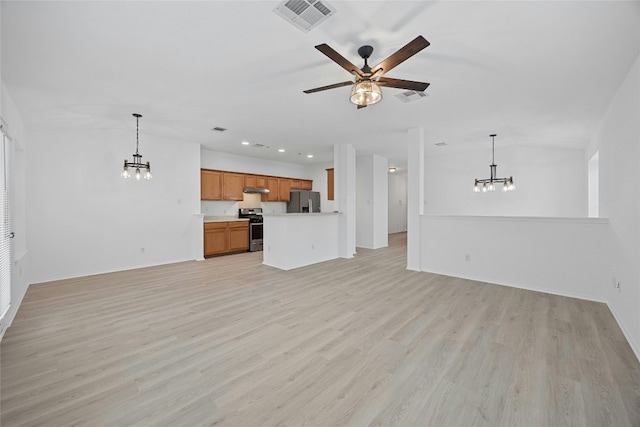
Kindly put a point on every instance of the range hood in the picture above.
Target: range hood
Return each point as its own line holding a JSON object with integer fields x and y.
{"x": 255, "y": 190}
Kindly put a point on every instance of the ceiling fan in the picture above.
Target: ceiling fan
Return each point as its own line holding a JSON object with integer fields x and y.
{"x": 366, "y": 87}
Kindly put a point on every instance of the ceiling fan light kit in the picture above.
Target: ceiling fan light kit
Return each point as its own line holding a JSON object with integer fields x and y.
{"x": 365, "y": 93}
{"x": 366, "y": 87}
{"x": 137, "y": 160}
{"x": 489, "y": 184}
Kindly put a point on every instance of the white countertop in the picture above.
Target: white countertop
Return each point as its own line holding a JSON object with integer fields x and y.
{"x": 302, "y": 214}
{"x": 223, "y": 218}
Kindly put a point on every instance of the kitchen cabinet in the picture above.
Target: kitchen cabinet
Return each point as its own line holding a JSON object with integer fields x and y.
{"x": 215, "y": 238}
{"x": 330, "y": 184}
{"x": 250, "y": 181}
{"x": 301, "y": 184}
{"x": 232, "y": 185}
{"x": 273, "y": 186}
{"x": 261, "y": 181}
{"x": 222, "y": 185}
{"x": 238, "y": 236}
{"x": 255, "y": 181}
{"x": 225, "y": 237}
{"x": 284, "y": 189}
{"x": 210, "y": 185}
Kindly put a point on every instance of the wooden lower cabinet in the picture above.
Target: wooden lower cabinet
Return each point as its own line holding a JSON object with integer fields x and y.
{"x": 215, "y": 238}
{"x": 225, "y": 237}
{"x": 238, "y": 236}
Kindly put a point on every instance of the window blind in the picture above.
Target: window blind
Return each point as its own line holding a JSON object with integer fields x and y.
{"x": 5, "y": 226}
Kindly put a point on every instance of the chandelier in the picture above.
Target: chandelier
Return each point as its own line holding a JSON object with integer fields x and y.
{"x": 484, "y": 185}
{"x": 137, "y": 159}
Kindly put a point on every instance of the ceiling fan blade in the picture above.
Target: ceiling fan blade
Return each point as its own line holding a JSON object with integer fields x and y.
{"x": 339, "y": 59}
{"x": 333, "y": 86}
{"x": 403, "y": 84}
{"x": 401, "y": 55}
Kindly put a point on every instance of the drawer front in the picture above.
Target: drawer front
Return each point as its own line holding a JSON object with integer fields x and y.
{"x": 215, "y": 225}
{"x": 239, "y": 224}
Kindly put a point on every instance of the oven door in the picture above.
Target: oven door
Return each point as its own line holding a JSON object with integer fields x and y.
{"x": 255, "y": 236}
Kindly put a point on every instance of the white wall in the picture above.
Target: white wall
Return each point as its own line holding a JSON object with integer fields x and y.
{"x": 560, "y": 256}
{"x": 593, "y": 184}
{"x": 618, "y": 144}
{"x": 233, "y": 163}
{"x": 296, "y": 240}
{"x": 83, "y": 218}
{"x": 344, "y": 159}
{"x": 397, "y": 203}
{"x": 364, "y": 201}
{"x": 372, "y": 202}
{"x": 549, "y": 182}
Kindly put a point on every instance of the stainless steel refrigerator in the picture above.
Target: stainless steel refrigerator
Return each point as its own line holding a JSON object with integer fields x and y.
{"x": 304, "y": 201}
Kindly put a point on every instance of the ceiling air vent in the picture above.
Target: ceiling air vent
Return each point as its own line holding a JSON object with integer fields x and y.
{"x": 305, "y": 14}
{"x": 410, "y": 96}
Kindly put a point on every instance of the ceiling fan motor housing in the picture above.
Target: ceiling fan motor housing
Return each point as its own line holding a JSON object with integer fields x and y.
{"x": 365, "y": 53}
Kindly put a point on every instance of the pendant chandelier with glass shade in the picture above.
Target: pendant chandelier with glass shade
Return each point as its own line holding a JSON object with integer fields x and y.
{"x": 137, "y": 159}
{"x": 365, "y": 92}
{"x": 489, "y": 184}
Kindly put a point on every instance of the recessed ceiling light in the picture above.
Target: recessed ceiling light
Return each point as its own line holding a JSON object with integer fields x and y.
{"x": 392, "y": 169}
{"x": 245, "y": 142}
{"x": 310, "y": 156}
{"x": 281, "y": 150}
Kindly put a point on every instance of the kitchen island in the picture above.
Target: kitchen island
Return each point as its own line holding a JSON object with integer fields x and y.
{"x": 297, "y": 239}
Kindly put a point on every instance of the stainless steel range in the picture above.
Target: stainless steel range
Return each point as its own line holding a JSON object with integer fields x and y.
{"x": 255, "y": 227}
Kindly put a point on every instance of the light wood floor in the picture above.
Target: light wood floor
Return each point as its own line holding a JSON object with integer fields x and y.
{"x": 360, "y": 342}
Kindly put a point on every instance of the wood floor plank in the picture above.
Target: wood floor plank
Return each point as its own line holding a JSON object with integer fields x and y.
{"x": 348, "y": 342}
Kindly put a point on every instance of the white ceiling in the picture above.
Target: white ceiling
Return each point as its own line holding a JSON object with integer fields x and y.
{"x": 533, "y": 72}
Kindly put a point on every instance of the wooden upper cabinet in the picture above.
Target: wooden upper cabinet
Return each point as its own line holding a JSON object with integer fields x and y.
{"x": 284, "y": 188}
{"x": 330, "y": 184}
{"x": 250, "y": 181}
{"x": 261, "y": 181}
{"x": 232, "y": 185}
{"x": 210, "y": 185}
{"x": 221, "y": 185}
{"x": 272, "y": 185}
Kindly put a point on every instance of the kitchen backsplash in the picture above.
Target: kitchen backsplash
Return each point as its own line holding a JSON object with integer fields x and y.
{"x": 250, "y": 201}
{"x": 231, "y": 208}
